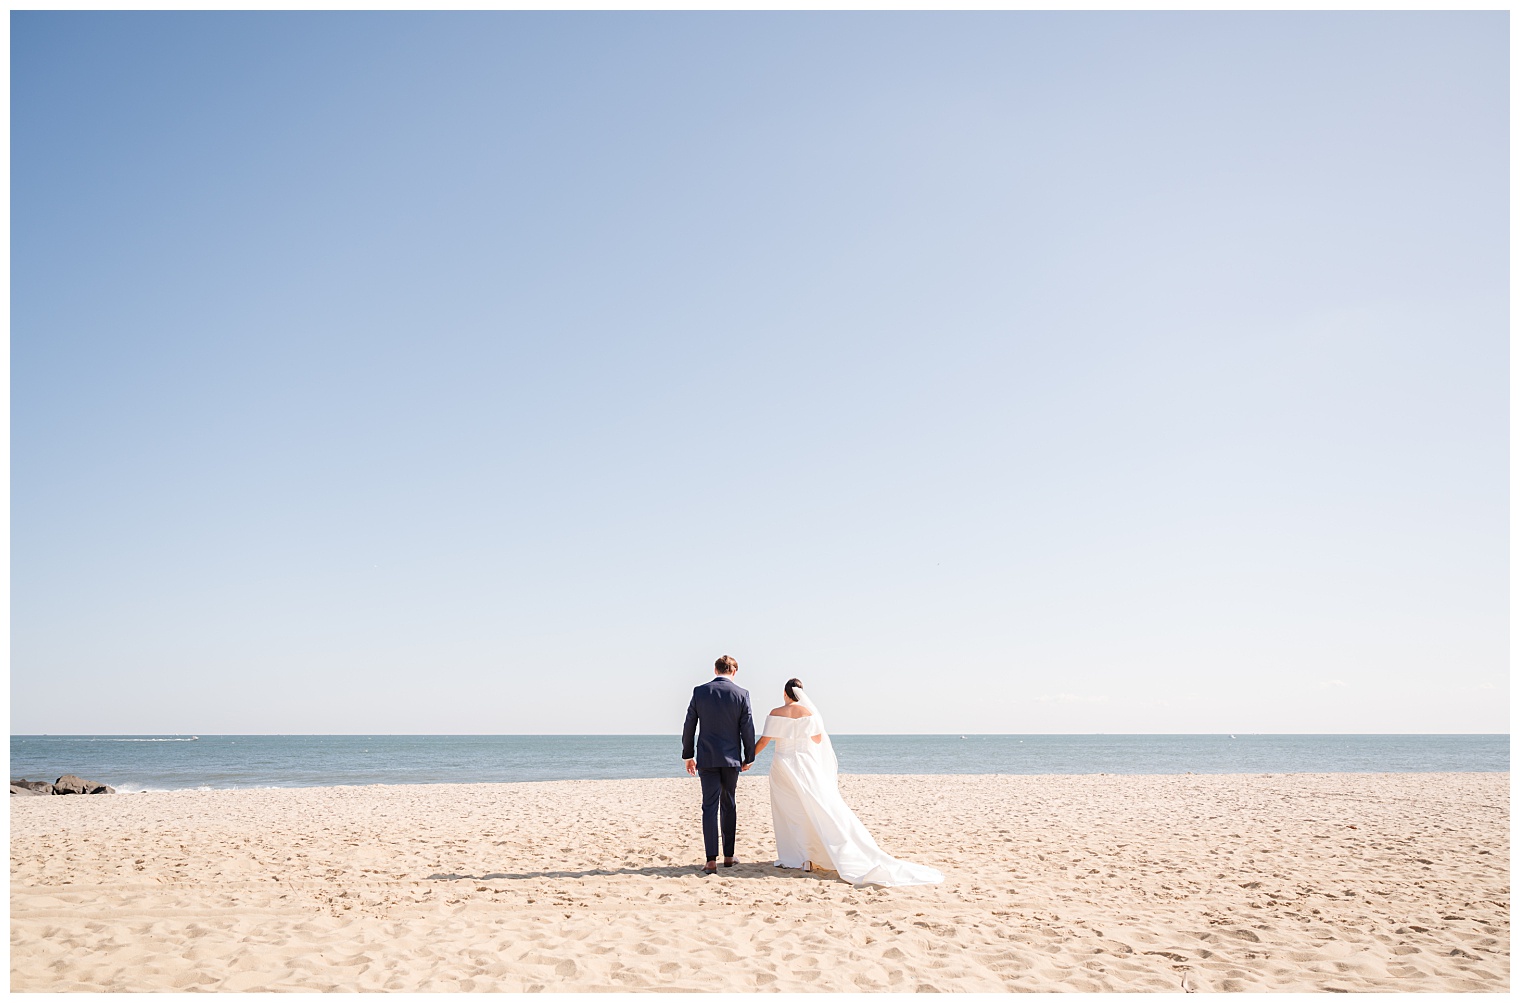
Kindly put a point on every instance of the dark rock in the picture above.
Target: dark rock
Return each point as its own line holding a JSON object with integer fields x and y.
{"x": 36, "y": 786}
{"x": 27, "y": 791}
{"x": 70, "y": 784}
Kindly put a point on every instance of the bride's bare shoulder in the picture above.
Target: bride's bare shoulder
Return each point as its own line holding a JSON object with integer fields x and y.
{"x": 792, "y": 710}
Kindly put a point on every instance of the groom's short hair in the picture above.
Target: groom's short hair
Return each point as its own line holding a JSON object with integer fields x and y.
{"x": 727, "y": 665}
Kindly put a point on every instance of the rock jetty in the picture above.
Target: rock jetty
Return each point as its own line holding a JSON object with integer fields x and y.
{"x": 66, "y": 784}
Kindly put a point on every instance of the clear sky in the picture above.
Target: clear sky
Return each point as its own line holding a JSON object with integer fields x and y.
{"x": 494, "y": 373}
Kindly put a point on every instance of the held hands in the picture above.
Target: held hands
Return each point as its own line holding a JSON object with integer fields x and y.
{"x": 691, "y": 767}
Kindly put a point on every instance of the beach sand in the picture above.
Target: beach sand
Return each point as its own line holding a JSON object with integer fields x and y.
{"x": 1284, "y": 882}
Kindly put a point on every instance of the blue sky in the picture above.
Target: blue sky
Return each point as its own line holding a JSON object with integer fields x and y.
{"x": 991, "y": 372}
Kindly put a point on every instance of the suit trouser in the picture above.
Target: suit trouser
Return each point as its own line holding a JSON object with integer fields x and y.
{"x": 719, "y": 784}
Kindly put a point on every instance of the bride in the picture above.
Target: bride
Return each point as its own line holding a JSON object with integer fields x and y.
{"x": 814, "y": 827}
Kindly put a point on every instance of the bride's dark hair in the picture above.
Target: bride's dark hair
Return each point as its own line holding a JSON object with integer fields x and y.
{"x": 792, "y": 686}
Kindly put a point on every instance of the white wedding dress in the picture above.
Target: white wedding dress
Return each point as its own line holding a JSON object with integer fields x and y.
{"x": 811, "y": 820}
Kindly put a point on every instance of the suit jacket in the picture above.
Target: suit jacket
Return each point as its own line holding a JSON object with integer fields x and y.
{"x": 728, "y": 728}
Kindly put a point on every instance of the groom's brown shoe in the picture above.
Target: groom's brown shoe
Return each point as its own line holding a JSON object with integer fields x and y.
{"x": 729, "y": 861}
{"x": 711, "y": 867}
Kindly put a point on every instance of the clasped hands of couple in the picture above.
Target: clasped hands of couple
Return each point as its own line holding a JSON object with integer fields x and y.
{"x": 691, "y": 767}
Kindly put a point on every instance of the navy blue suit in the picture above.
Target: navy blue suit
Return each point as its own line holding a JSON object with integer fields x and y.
{"x": 726, "y": 742}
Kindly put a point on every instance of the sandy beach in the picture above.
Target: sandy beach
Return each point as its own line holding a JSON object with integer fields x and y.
{"x": 1353, "y": 882}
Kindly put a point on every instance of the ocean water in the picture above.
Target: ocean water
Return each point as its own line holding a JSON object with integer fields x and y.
{"x": 171, "y": 762}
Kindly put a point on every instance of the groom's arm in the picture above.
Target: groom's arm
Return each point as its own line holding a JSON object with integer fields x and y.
{"x": 747, "y": 733}
{"x": 689, "y": 735}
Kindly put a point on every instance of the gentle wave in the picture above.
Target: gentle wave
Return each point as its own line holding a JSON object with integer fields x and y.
{"x": 136, "y": 789}
{"x": 49, "y": 738}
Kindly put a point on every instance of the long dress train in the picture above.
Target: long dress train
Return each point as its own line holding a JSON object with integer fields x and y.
{"x": 811, "y": 820}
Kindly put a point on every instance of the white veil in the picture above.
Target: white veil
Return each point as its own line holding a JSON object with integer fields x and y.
{"x": 826, "y": 747}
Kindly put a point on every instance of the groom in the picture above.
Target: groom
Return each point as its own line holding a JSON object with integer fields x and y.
{"x": 726, "y": 750}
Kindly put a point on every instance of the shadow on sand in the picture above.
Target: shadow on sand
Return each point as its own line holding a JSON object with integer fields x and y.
{"x": 740, "y": 870}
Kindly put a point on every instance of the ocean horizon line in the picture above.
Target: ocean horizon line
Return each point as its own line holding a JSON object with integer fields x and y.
{"x": 303, "y": 760}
